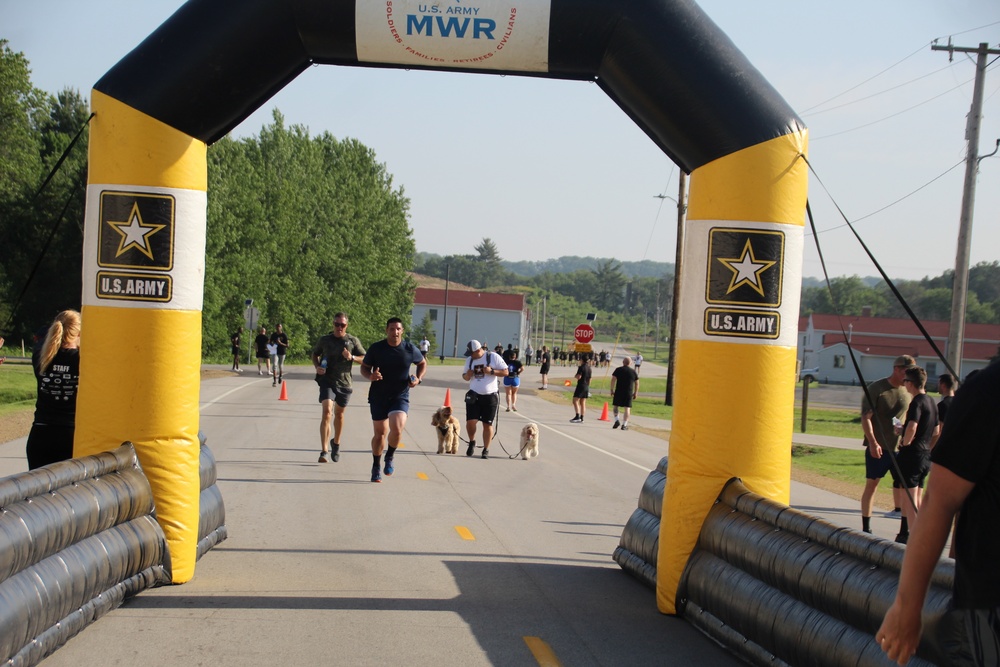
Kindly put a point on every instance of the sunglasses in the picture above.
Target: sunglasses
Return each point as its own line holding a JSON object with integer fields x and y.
{"x": 340, "y": 325}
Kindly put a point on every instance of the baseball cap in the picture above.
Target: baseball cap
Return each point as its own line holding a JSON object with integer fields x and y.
{"x": 905, "y": 361}
{"x": 473, "y": 346}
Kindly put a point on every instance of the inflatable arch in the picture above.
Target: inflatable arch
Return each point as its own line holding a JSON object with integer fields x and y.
{"x": 662, "y": 61}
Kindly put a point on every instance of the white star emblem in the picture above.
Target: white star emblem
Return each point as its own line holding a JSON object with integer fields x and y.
{"x": 134, "y": 233}
{"x": 746, "y": 270}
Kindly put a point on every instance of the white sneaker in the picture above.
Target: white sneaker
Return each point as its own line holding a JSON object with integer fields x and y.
{"x": 894, "y": 514}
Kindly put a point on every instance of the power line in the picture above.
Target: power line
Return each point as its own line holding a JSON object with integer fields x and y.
{"x": 898, "y": 113}
{"x": 882, "y": 92}
{"x": 893, "y": 66}
{"x": 887, "y": 206}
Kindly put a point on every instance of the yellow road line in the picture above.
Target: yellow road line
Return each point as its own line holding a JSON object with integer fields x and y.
{"x": 421, "y": 475}
{"x": 465, "y": 533}
{"x": 543, "y": 653}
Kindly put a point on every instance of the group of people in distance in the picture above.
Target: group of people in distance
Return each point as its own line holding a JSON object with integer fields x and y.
{"x": 270, "y": 351}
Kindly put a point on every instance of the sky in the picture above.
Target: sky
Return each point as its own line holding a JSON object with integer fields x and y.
{"x": 550, "y": 168}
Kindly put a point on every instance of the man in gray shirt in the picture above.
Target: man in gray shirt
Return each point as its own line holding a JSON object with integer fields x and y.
{"x": 333, "y": 357}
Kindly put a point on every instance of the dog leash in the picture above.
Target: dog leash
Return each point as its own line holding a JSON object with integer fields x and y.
{"x": 496, "y": 437}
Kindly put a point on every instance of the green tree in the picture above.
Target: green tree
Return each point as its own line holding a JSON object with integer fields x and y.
{"x": 425, "y": 330}
{"x": 610, "y": 286}
{"x": 20, "y": 105}
{"x": 489, "y": 261}
{"x": 306, "y": 226}
{"x": 41, "y": 234}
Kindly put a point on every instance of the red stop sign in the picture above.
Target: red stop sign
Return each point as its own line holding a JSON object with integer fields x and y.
{"x": 584, "y": 333}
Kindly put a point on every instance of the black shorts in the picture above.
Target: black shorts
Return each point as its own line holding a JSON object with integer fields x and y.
{"x": 622, "y": 401}
{"x": 339, "y": 395}
{"x": 582, "y": 391}
{"x": 914, "y": 464}
{"x": 481, "y": 407}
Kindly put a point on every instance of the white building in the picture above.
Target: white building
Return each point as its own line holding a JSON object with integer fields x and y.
{"x": 488, "y": 317}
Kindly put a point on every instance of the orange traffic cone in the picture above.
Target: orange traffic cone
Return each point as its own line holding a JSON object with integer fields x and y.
{"x": 447, "y": 398}
{"x": 604, "y": 413}
{"x": 284, "y": 391}
{"x": 567, "y": 383}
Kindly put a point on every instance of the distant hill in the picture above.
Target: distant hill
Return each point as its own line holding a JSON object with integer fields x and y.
{"x": 569, "y": 264}
{"x": 437, "y": 283}
{"x": 808, "y": 281}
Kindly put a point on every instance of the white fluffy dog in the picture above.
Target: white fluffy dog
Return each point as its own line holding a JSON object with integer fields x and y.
{"x": 529, "y": 441}
{"x": 447, "y": 430}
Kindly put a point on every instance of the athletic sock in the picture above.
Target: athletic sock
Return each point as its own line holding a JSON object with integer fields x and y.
{"x": 390, "y": 454}
{"x": 377, "y": 459}
{"x": 866, "y": 523}
{"x": 904, "y": 528}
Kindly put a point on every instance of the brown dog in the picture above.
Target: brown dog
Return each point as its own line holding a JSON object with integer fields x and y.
{"x": 529, "y": 441}
{"x": 447, "y": 430}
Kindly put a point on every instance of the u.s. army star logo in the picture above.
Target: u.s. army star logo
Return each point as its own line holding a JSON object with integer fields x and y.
{"x": 745, "y": 267}
{"x": 136, "y": 231}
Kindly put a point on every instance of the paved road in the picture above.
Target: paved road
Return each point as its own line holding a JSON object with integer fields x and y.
{"x": 324, "y": 566}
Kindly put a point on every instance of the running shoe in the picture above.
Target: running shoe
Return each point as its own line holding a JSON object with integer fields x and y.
{"x": 894, "y": 514}
{"x": 486, "y": 453}
{"x": 471, "y": 449}
{"x": 322, "y": 457}
{"x": 617, "y": 424}
{"x": 376, "y": 473}
{"x": 389, "y": 468}
{"x": 624, "y": 427}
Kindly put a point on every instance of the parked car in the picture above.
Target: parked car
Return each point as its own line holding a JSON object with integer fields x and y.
{"x": 808, "y": 375}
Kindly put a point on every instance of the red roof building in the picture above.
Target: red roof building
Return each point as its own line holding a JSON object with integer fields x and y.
{"x": 461, "y": 316}
{"x": 877, "y": 341}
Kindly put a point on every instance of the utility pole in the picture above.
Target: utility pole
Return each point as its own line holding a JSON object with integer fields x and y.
{"x": 960, "y": 285}
{"x": 668, "y": 399}
{"x": 656, "y": 341}
{"x": 444, "y": 317}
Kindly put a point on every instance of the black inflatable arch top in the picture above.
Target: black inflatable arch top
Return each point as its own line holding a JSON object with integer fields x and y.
{"x": 664, "y": 62}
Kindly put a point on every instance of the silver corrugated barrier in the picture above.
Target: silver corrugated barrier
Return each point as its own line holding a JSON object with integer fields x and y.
{"x": 636, "y": 552}
{"x": 776, "y": 585}
{"x": 76, "y": 538}
{"x": 211, "y": 510}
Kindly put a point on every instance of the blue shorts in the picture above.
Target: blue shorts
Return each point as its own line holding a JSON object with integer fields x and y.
{"x": 381, "y": 409}
{"x": 877, "y": 468}
{"x": 512, "y": 381}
